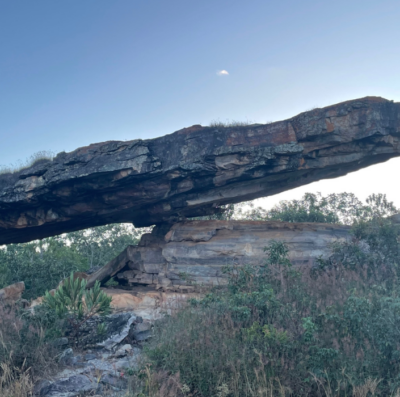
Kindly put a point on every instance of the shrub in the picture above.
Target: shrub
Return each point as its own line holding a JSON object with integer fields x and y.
{"x": 25, "y": 354}
{"x": 75, "y": 303}
{"x": 276, "y": 330}
{"x": 42, "y": 264}
{"x": 344, "y": 208}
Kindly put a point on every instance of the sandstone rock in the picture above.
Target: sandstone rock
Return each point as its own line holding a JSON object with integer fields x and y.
{"x": 193, "y": 171}
{"x": 195, "y": 253}
{"x": 146, "y": 302}
{"x": 12, "y": 293}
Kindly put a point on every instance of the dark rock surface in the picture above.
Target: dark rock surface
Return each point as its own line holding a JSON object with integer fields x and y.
{"x": 193, "y": 171}
{"x": 195, "y": 252}
{"x": 101, "y": 369}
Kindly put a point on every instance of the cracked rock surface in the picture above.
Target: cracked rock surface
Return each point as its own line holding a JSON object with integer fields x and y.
{"x": 194, "y": 171}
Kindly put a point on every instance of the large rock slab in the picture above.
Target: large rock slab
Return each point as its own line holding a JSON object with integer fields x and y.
{"x": 194, "y": 253}
{"x": 194, "y": 171}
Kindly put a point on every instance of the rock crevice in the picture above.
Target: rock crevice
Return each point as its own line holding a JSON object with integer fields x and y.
{"x": 194, "y": 171}
{"x": 195, "y": 253}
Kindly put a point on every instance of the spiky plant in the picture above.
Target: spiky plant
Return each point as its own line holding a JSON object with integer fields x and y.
{"x": 77, "y": 304}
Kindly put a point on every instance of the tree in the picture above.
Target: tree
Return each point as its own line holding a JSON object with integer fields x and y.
{"x": 342, "y": 208}
{"x": 43, "y": 263}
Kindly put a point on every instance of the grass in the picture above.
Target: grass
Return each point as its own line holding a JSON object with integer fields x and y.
{"x": 230, "y": 123}
{"x": 25, "y": 356}
{"x": 15, "y": 383}
{"x": 276, "y": 331}
{"x": 29, "y": 162}
{"x": 234, "y": 123}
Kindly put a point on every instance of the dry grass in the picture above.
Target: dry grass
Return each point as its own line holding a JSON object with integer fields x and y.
{"x": 229, "y": 123}
{"x": 24, "y": 355}
{"x": 15, "y": 382}
{"x": 21, "y": 165}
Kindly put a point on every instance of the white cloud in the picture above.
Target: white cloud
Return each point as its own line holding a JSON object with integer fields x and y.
{"x": 222, "y": 73}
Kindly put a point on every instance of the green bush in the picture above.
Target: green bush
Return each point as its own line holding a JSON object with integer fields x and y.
{"x": 344, "y": 208}
{"x": 72, "y": 301}
{"x": 275, "y": 330}
{"x": 43, "y": 264}
{"x": 25, "y": 352}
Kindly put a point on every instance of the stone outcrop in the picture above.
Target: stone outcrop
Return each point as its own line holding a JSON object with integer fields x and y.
{"x": 195, "y": 252}
{"x": 194, "y": 171}
{"x": 98, "y": 367}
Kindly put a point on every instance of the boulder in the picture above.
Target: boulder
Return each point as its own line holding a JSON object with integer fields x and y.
{"x": 194, "y": 171}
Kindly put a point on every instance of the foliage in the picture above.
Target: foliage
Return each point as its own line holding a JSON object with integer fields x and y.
{"x": 76, "y": 303}
{"x": 25, "y": 354}
{"x": 225, "y": 213}
{"x": 274, "y": 328}
{"x": 42, "y": 264}
{"x": 344, "y": 208}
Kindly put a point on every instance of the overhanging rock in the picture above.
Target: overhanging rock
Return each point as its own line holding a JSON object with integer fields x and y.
{"x": 193, "y": 171}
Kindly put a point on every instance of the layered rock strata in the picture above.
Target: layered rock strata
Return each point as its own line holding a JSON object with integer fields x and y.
{"x": 196, "y": 252}
{"x": 194, "y": 171}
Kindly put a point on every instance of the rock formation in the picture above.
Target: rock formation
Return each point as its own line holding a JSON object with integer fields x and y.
{"x": 194, "y": 171}
{"x": 195, "y": 252}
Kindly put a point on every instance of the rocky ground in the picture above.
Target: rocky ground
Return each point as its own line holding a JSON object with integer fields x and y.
{"x": 98, "y": 363}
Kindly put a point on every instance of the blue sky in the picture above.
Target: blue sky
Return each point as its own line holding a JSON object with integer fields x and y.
{"x": 77, "y": 72}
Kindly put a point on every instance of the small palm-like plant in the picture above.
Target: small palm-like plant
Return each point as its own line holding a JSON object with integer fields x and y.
{"x": 76, "y": 303}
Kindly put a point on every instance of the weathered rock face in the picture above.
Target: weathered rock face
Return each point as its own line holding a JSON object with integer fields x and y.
{"x": 195, "y": 252}
{"x": 193, "y": 171}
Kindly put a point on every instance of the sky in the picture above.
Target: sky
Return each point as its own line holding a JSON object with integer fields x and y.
{"x": 77, "y": 72}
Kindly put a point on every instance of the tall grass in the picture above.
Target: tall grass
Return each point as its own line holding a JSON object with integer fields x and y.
{"x": 229, "y": 123}
{"x": 275, "y": 331}
{"x": 21, "y": 165}
{"x": 25, "y": 355}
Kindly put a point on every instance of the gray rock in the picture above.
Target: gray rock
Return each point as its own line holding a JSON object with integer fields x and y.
{"x": 69, "y": 387}
{"x": 141, "y": 331}
{"x": 123, "y": 351}
{"x": 60, "y": 342}
{"x": 120, "y": 334}
{"x": 75, "y": 381}
{"x": 90, "y": 356}
{"x": 42, "y": 388}
{"x": 193, "y": 171}
{"x": 116, "y": 381}
{"x": 66, "y": 356}
{"x": 115, "y": 329}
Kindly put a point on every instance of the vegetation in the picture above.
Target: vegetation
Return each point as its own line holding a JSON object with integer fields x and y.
{"x": 35, "y": 158}
{"x": 25, "y": 352}
{"x": 330, "y": 331}
{"x": 229, "y": 123}
{"x": 341, "y": 208}
{"x": 72, "y": 301}
{"x": 43, "y": 264}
